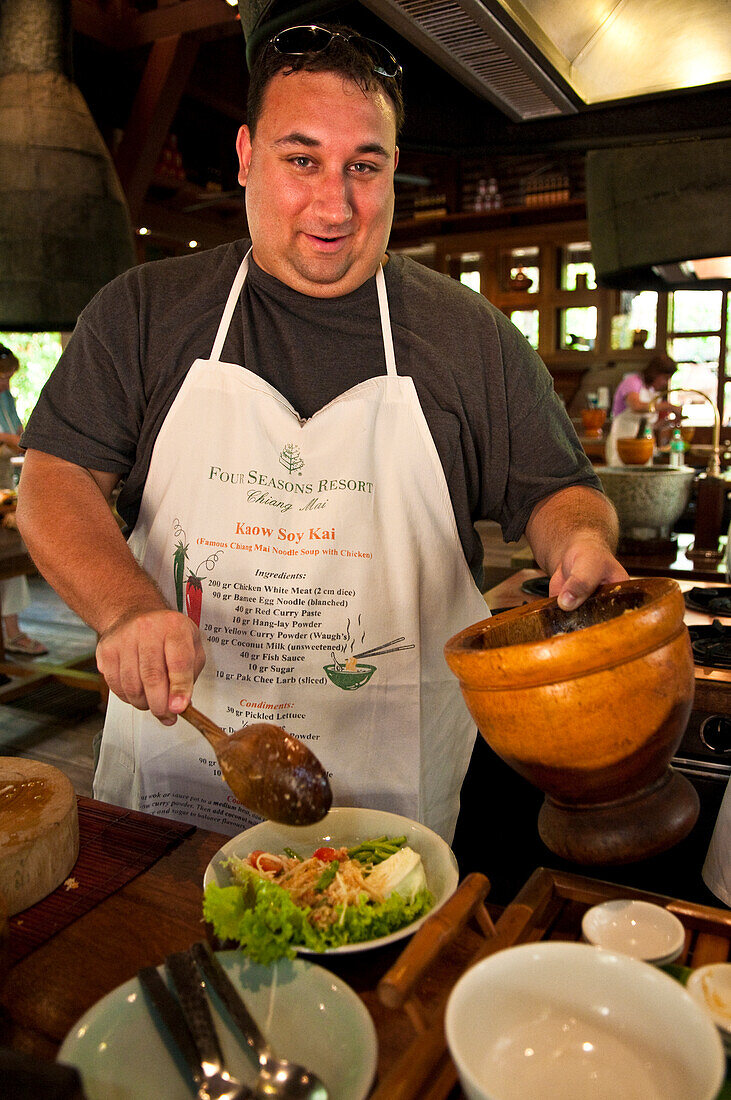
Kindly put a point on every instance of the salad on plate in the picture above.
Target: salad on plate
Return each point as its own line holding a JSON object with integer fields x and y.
{"x": 278, "y": 902}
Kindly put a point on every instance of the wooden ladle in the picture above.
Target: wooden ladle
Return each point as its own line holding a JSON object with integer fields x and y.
{"x": 269, "y": 771}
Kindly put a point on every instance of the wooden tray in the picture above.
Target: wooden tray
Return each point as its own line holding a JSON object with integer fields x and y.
{"x": 549, "y": 907}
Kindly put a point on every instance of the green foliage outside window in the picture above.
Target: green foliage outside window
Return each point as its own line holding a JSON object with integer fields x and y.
{"x": 38, "y": 353}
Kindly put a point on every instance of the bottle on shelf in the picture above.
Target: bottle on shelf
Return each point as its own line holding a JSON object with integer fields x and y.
{"x": 677, "y": 449}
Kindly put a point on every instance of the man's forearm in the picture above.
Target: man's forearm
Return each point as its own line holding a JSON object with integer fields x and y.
{"x": 574, "y": 511}
{"x": 75, "y": 541}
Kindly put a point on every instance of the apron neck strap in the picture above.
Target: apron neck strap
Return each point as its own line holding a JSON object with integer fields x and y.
{"x": 385, "y": 323}
{"x": 235, "y": 291}
{"x": 228, "y": 312}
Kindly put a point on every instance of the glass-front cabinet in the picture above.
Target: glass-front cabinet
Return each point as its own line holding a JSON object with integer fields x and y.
{"x": 542, "y": 277}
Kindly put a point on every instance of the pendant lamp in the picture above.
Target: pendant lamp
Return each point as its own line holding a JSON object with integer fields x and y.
{"x": 64, "y": 223}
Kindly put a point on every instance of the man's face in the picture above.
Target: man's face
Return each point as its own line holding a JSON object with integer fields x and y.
{"x": 319, "y": 182}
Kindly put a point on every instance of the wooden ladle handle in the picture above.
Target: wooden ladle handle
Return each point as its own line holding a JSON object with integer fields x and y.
{"x": 214, "y": 734}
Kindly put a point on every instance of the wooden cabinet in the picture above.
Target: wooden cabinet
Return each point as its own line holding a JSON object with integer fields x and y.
{"x": 535, "y": 265}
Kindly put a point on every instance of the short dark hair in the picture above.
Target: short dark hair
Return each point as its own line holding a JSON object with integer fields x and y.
{"x": 659, "y": 365}
{"x": 341, "y": 56}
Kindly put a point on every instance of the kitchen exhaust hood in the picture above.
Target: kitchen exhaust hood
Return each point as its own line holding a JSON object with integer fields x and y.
{"x": 64, "y": 224}
{"x": 659, "y": 215}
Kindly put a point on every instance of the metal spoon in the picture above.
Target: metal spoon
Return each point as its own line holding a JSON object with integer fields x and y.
{"x": 269, "y": 771}
{"x": 198, "y": 1045}
{"x": 277, "y": 1076}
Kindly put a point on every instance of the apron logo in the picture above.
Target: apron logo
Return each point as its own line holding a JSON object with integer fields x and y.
{"x": 291, "y": 460}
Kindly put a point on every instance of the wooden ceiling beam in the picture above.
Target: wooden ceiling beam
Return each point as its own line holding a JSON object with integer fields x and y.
{"x": 166, "y": 74}
{"x": 122, "y": 27}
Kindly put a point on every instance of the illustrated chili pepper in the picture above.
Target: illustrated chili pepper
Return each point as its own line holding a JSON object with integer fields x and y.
{"x": 181, "y": 553}
{"x": 193, "y": 598}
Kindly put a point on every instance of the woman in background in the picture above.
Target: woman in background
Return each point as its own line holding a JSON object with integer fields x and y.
{"x": 14, "y": 594}
{"x": 634, "y": 401}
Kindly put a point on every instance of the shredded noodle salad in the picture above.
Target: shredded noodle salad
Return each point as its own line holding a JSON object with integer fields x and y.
{"x": 278, "y": 901}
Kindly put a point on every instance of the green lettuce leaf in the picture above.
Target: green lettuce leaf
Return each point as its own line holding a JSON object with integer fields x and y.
{"x": 262, "y": 919}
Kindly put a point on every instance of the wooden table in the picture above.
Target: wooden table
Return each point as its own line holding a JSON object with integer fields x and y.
{"x": 158, "y": 912}
{"x": 15, "y": 561}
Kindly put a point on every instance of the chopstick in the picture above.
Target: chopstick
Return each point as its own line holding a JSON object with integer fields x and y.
{"x": 380, "y": 652}
{"x": 370, "y": 652}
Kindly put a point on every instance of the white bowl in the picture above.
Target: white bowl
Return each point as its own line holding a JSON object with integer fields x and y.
{"x": 710, "y": 986}
{"x": 569, "y": 1021}
{"x": 635, "y": 928}
{"x": 345, "y": 825}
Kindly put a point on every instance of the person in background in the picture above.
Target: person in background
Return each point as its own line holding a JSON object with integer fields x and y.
{"x": 14, "y": 594}
{"x": 635, "y": 402}
{"x": 308, "y": 428}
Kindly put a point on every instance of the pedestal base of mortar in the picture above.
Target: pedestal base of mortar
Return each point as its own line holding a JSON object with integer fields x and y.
{"x": 626, "y": 830}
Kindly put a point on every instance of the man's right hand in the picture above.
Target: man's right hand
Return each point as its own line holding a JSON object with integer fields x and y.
{"x": 151, "y": 659}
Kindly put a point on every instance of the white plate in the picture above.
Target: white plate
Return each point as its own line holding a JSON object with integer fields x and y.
{"x": 347, "y": 826}
{"x": 710, "y": 986}
{"x": 639, "y": 929}
{"x": 309, "y": 1015}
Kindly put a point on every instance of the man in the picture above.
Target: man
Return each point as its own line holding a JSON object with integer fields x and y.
{"x": 313, "y": 431}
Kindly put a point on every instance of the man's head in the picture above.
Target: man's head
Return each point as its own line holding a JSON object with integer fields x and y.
{"x": 317, "y": 160}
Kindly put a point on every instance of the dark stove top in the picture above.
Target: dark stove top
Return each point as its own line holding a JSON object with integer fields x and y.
{"x": 711, "y": 645}
{"x": 712, "y": 601}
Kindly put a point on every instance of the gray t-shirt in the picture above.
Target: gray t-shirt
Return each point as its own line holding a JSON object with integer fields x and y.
{"x": 502, "y": 435}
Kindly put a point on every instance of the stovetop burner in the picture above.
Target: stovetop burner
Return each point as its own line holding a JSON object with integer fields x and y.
{"x": 713, "y": 601}
{"x": 711, "y": 645}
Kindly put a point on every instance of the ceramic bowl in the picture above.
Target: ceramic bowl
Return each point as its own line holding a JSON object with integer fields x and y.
{"x": 635, "y": 452}
{"x": 571, "y": 1021}
{"x": 639, "y": 929}
{"x": 710, "y": 986}
{"x": 349, "y": 826}
{"x": 590, "y": 706}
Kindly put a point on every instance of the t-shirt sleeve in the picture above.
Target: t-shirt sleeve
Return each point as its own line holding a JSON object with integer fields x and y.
{"x": 545, "y": 455}
{"x": 90, "y": 410}
{"x": 631, "y": 383}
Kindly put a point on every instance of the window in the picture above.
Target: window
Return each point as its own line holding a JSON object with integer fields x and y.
{"x": 697, "y": 319}
{"x": 37, "y": 353}
{"x": 578, "y": 327}
{"x": 526, "y": 320}
{"x": 521, "y": 269}
{"x": 637, "y": 313}
{"x": 471, "y": 279}
{"x": 577, "y": 270}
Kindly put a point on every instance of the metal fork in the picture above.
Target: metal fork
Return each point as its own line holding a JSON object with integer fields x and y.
{"x": 190, "y": 1026}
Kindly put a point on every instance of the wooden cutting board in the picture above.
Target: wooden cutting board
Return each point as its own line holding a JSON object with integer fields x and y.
{"x": 39, "y": 831}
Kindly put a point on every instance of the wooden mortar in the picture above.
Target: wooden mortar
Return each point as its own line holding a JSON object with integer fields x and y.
{"x": 590, "y": 706}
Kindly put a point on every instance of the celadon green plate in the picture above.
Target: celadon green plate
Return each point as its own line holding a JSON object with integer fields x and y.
{"x": 309, "y": 1015}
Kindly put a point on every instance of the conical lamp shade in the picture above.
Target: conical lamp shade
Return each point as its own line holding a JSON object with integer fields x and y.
{"x": 64, "y": 223}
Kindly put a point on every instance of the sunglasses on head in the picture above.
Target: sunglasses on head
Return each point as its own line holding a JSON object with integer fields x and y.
{"x": 309, "y": 38}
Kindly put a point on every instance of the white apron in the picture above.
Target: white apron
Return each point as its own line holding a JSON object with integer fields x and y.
{"x": 626, "y": 425}
{"x": 329, "y": 575}
{"x": 717, "y": 868}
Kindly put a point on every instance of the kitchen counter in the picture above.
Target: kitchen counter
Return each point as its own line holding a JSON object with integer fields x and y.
{"x": 139, "y": 921}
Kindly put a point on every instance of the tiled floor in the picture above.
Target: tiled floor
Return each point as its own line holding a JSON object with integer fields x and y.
{"x": 53, "y": 723}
